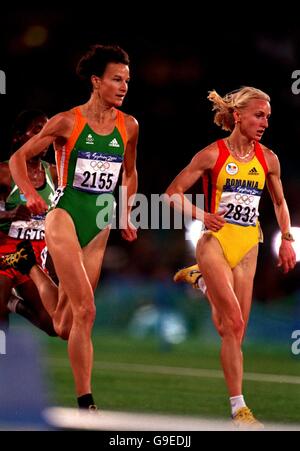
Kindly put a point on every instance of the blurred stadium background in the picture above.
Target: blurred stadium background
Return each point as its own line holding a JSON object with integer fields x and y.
{"x": 142, "y": 317}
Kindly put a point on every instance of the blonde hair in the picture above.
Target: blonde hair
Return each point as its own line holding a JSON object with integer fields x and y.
{"x": 235, "y": 100}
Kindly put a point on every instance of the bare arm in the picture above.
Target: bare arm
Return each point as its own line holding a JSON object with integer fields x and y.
{"x": 287, "y": 257}
{"x": 129, "y": 178}
{"x": 202, "y": 161}
{"x": 59, "y": 126}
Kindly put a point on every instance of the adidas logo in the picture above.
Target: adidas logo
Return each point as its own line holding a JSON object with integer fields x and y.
{"x": 89, "y": 139}
{"x": 114, "y": 143}
{"x": 253, "y": 171}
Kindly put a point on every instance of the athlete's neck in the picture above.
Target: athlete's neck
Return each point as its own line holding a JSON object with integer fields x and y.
{"x": 240, "y": 145}
{"x": 96, "y": 110}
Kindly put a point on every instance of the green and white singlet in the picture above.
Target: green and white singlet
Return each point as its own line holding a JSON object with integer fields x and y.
{"x": 88, "y": 167}
{"x": 34, "y": 229}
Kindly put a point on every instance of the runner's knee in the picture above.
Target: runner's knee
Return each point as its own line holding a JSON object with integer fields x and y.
{"x": 85, "y": 314}
{"x": 234, "y": 325}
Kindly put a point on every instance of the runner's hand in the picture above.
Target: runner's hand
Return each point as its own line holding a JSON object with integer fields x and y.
{"x": 287, "y": 256}
{"x": 36, "y": 204}
{"x": 214, "y": 221}
{"x": 129, "y": 233}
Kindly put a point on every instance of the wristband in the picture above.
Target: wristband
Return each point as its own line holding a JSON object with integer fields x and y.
{"x": 287, "y": 236}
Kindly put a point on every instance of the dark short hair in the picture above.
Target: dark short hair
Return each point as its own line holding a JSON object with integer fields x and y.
{"x": 21, "y": 124}
{"x": 94, "y": 62}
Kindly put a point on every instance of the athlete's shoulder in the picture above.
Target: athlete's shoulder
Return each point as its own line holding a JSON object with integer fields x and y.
{"x": 65, "y": 119}
{"x": 208, "y": 155}
{"x": 266, "y": 150}
{"x": 270, "y": 157}
{"x": 130, "y": 121}
{"x": 212, "y": 149}
{"x": 61, "y": 124}
{"x": 68, "y": 115}
{"x": 132, "y": 126}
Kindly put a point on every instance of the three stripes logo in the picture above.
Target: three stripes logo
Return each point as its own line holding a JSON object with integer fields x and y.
{"x": 253, "y": 171}
{"x": 114, "y": 143}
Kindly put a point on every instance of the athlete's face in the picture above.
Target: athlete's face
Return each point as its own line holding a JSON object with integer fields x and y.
{"x": 254, "y": 119}
{"x": 33, "y": 129}
{"x": 113, "y": 85}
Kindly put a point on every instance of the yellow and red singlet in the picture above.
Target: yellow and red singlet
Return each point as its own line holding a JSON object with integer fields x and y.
{"x": 234, "y": 188}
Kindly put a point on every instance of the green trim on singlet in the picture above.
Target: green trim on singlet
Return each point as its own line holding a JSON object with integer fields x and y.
{"x": 16, "y": 198}
{"x": 85, "y": 207}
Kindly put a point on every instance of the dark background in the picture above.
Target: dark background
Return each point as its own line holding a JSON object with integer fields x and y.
{"x": 174, "y": 63}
